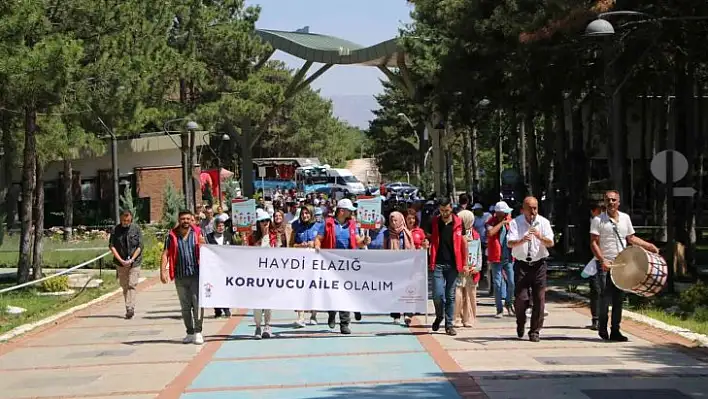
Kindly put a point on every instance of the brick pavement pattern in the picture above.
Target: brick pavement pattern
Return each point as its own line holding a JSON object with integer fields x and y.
{"x": 97, "y": 354}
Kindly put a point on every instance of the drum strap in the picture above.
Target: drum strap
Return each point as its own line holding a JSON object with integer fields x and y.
{"x": 619, "y": 239}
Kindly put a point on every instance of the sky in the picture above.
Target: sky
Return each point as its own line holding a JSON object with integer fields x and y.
{"x": 365, "y": 22}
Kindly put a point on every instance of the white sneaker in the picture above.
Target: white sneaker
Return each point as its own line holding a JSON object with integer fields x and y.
{"x": 258, "y": 334}
{"x": 499, "y": 315}
{"x": 189, "y": 339}
{"x": 313, "y": 321}
{"x": 198, "y": 339}
{"x": 300, "y": 324}
{"x": 396, "y": 321}
{"x": 266, "y": 332}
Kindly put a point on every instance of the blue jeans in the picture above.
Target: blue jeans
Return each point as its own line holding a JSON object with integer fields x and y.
{"x": 444, "y": 284}
{"x": 500, "y": 288}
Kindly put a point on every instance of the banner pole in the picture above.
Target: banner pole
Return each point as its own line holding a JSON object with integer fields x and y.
{"x": 427, "y": 287}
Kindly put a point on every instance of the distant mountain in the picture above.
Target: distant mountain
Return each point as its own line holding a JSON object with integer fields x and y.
{"x": 355, "y": 109}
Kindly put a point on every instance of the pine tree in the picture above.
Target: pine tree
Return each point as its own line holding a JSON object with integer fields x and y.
{"x": 172, "y": 204}
{"x": 127, "y": 204}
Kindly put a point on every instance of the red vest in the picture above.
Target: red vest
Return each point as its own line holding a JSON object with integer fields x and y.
{"x": 174, "y": 247}
{"x": 494, "y": 248}
{"x": 458, "y": 243}
{"x": 330, "y": 238}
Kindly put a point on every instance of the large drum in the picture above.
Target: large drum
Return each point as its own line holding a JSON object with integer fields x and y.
{"x": 639, "y": 271}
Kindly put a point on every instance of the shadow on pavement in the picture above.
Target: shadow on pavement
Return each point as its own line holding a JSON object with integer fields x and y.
{"x": 102, "y": 316}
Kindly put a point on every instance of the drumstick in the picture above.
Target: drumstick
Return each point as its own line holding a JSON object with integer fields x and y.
{"x": 612, "y": 266}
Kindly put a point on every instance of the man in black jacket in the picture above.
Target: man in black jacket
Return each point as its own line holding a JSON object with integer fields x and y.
{"x": 126, "y": 244}
{"x": 220, "y": 236}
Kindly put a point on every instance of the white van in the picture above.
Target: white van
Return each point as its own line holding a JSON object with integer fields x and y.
{"x": 344, "y": 179}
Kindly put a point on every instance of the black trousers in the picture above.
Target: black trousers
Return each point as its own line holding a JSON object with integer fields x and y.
{"x": 607, "y": 293}
{"x": 530, "y": 279}
{"x": 344, "y": 317}
{"x": 398, "y": 315}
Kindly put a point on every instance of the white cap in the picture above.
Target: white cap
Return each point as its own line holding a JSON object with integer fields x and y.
{"x": 346, "y": 203}
{"x": 502, "y": 206}
{"x": 477, "y": 206}
{"x": 262, "y": 215}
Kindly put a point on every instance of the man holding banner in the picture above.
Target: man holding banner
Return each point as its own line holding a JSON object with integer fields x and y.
{"x": 180, "y": 262}
{"x": 341, "y": 232}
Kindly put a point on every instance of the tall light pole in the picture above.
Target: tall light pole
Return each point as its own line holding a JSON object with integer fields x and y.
{"x": 188, "y": 172}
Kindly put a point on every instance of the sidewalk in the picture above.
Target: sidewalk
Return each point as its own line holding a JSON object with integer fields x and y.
{"x": 97, "y": 354}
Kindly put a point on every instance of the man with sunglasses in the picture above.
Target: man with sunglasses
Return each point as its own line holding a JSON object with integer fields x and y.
{"x": 610, "y": 232}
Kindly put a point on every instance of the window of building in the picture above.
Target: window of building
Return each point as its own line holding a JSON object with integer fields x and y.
{"x": 89, "y": 190}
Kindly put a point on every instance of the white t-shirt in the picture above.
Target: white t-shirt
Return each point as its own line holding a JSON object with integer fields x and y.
{"x": 518, "y": 228}
{"x": 610, "y": 244}
{"x": 219, "y": 239}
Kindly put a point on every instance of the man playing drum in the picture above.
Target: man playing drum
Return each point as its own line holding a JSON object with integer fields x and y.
{"x": 610, "y": 232}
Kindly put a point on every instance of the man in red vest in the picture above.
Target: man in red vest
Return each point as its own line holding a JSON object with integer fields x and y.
{"x": 448, "y": 257}
{"x": 180, "y": 262}
{"x": 341, "y": 232}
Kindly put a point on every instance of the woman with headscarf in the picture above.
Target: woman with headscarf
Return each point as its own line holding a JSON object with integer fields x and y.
{"x": 282, "y": 229}
{"x": 303, "y": 235}
{"x": 398, "y": 237}
{"x": 265, "y": 236}
{"x": 466, "y": 295}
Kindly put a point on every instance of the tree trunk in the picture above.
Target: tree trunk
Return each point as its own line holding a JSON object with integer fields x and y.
{"x": 28, "y": 186}
{"x": 38, "y": 212}
{"x": 581, "y": 180}
{"x": 548, "y": 164}
{"x": 8, "y": 160}
{"x": 4, "y": 182}
{"x": 68, "y": 200}
{"x": 523, "y": 165}
{"x": 467, "y": 156}
{"x": 474, "y": 158}
{"x": 534, "y": 179}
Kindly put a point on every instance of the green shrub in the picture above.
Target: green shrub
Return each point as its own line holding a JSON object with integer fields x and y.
{"x": 694, "y": 297}
{"x": 701, "y": 314}
{"x": 56, "y": 284}
{"x": 152, "y": 256}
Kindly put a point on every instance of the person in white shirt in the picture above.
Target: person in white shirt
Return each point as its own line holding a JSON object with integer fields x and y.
{"x": 529, "y": 237}
{"x": 610, "y": 232}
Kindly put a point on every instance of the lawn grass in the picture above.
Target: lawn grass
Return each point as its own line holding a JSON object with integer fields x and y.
{"x": 39, "y": 307}
{"x": 56, "y": 254}
{"x": 688, "y": 323}
{"x": 61, "y": 255}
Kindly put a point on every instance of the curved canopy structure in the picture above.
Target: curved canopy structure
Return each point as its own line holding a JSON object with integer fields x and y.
{"x": 332, "y": 50}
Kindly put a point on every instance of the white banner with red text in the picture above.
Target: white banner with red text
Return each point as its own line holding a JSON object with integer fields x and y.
{"x": 378, "y": 281}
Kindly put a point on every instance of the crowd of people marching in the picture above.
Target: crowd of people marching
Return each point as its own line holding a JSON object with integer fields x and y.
{"x": 462, "y": 241}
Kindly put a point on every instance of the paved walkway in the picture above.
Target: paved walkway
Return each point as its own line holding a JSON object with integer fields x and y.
{"x": 97, "y": 354}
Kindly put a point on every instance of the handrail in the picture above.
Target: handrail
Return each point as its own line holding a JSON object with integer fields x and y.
{"x": 15, "y": 287}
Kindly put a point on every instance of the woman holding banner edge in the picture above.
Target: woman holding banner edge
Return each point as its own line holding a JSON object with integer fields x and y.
{"x": 398, "y": 237}
{"x": 265, "y": 236}
{"x": 304, "y": 233}
{"x": 341, "y": 232}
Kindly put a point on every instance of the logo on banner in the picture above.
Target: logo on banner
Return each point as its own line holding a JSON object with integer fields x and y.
{"x": 207, "y": 290}
{"x": 411, "y": 290}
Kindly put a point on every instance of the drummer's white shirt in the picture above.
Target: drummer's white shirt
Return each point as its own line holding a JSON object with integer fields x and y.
{"x": 610, "y": 245}
{"x": 518, "y": 228}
